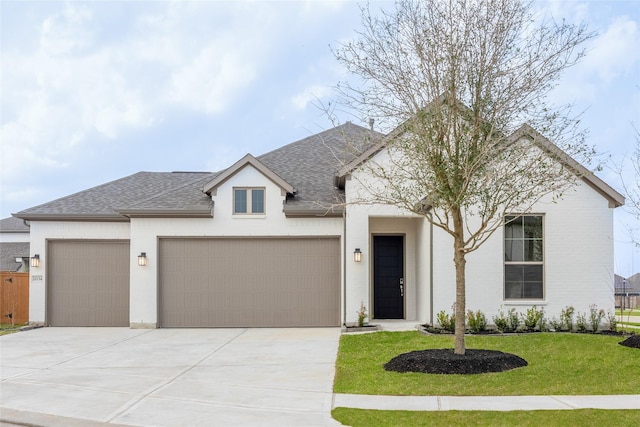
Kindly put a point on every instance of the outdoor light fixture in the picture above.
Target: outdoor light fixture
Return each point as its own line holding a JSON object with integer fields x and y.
{"x": 142, "y": 259}
{"x": 35, "y": 261}
{"x": 357, "y": 255}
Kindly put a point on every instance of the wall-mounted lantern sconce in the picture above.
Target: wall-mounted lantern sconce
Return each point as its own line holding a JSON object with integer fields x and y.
{"x": 357, "y": 255}
{"x": 142, "y": 259}
{"x": 35, "y": 261}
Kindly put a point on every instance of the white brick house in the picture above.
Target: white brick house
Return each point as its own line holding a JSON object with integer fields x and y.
{"x": 270, "y": 242}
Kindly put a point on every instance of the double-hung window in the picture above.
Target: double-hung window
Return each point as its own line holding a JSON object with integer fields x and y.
{"x": 248, "y": 200}
{"x": 523, "y": 257}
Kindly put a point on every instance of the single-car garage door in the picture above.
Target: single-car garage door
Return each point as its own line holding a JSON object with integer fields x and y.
{"x": 88, "y": 283}
{"x": 249, "y": 282}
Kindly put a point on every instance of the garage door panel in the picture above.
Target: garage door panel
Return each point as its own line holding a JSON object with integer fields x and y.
{"x": 250, "y": 282}
{"x": 88, "y": 283}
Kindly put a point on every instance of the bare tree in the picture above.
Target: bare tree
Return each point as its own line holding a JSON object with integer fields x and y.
{"x": 456, "y": 80}
{"x": 632, "y": 189}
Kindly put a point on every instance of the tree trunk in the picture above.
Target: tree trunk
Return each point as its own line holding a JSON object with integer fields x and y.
{"x": 459, "y": 261}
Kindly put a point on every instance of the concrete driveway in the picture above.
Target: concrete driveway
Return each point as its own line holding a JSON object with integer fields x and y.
{"x": 169, "y": 377}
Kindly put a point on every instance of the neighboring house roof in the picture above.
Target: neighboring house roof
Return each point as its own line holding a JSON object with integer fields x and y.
{"x": 614, "y": 198}
{"x": 308, "y": 166}
{"x": 13, "y": 225}
{"x": 631, "y": 284}
{"x": 9, "y": 251}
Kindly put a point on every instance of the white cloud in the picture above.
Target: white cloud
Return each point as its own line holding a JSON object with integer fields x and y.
{"x": 310, "y": 95}
{"x": 616, "y": 51}
{"x": 73, "y": 90}
{"x": 67, "y": 31}
{"x": 212, "y": 79}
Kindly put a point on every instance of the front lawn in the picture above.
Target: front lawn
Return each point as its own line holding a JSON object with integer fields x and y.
{"x": 629, "y": 312}
{"x": 6, "y": 328}
{"x": 559, "y": 363}
{"x": 579, "y": 417}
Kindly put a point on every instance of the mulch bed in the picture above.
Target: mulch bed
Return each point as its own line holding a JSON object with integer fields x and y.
{"x": 633, "y": 341}
{"x": 445, "y": 361}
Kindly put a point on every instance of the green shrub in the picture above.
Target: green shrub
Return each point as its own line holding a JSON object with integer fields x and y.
{"x": 581, "y": 323}
{"x": 612, "y": 322}
{"x": 447, "y": 321}
{"x": 556, "y": 324}
{"x": 477, "y": 321}
{"x": 566, "y": 316}
{"x": 533, "y": 318}
{"x": 362, "y": 314}
{"x": 508, "y": 322}
{"x": 595, "y": 317}
{"x": 513, "y": 320}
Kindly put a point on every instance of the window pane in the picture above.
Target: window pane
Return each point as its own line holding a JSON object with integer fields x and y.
{"x": 532, "y": 227}
{"x": 513, "y": 290}
{"x": 532, "y": 273}
{"x": 513, "y": 273}
{"x": 513, "y": 229}
{"x": 533, "y": 290}
{"x": 513, "y": 250}
{"x": 523, "y": 281}
{"x": 532, "y": 250}
{"x": 240, "y": 201}
{"x": 257, "y": 201}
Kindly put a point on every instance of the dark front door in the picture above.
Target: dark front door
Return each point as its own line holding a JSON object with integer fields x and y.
{"x": 388, "y": 277}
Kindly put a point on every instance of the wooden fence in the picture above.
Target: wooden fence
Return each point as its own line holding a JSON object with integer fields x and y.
{"x": 14, "y": 297}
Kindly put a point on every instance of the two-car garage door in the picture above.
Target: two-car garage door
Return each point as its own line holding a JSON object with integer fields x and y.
{"x": 249, "y": 282}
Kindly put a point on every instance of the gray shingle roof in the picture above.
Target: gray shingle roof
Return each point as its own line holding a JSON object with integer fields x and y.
{"x": 13, "y": 225}
{"x": 104, "y": 201}
{"x": 309, "y": 164}
{"x": 9, "y": 251}
{"x": 632, "y": 284}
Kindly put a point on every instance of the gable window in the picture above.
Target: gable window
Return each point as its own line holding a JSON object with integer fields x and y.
{"x": 248, "y": 200}
{"x": 523, "y": 257}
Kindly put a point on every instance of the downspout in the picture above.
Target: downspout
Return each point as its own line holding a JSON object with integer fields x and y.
{"x": 344, "y": 266}
{"x": 430, "y": 268}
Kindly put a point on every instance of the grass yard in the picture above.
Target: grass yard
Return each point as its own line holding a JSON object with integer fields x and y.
{"x": 629, "y": 323}
{"x": 6, "y": 328}
{"x": 559, "y": 363}
{"x": 580, "y": 417}
{"x": 629, "y": 312}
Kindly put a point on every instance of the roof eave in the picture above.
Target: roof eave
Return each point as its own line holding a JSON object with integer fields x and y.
{"x": 326, "y": 212}
{"x": 72, "y": 217}
{"x": 167, "y": 213}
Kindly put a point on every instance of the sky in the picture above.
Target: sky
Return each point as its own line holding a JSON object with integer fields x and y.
{"x": 94, "y": 91}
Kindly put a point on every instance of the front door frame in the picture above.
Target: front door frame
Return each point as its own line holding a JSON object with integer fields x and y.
{"x": 373, "y": 272}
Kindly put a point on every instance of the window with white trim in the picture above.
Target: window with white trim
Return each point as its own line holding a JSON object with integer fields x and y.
{"x": 523, "y": 257}
{"x": 248, "y": 201}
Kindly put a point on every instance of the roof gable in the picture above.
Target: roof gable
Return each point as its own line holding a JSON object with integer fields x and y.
{"x": 248, "y": 160}
{"x": 525, "y": 131}
{"x": 614, "y": 198}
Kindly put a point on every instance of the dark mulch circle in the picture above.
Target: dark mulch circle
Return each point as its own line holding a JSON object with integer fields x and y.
{"x": 445, "y": 361}
{"x": 633, "y": 341}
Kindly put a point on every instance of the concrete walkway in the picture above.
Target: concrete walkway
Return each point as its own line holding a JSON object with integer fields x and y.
{"x": 630, "y": 319}
{"x": 485, "y": 403}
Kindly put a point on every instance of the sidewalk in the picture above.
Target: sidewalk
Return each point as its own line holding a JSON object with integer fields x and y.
{"x": 485, "y": 403}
